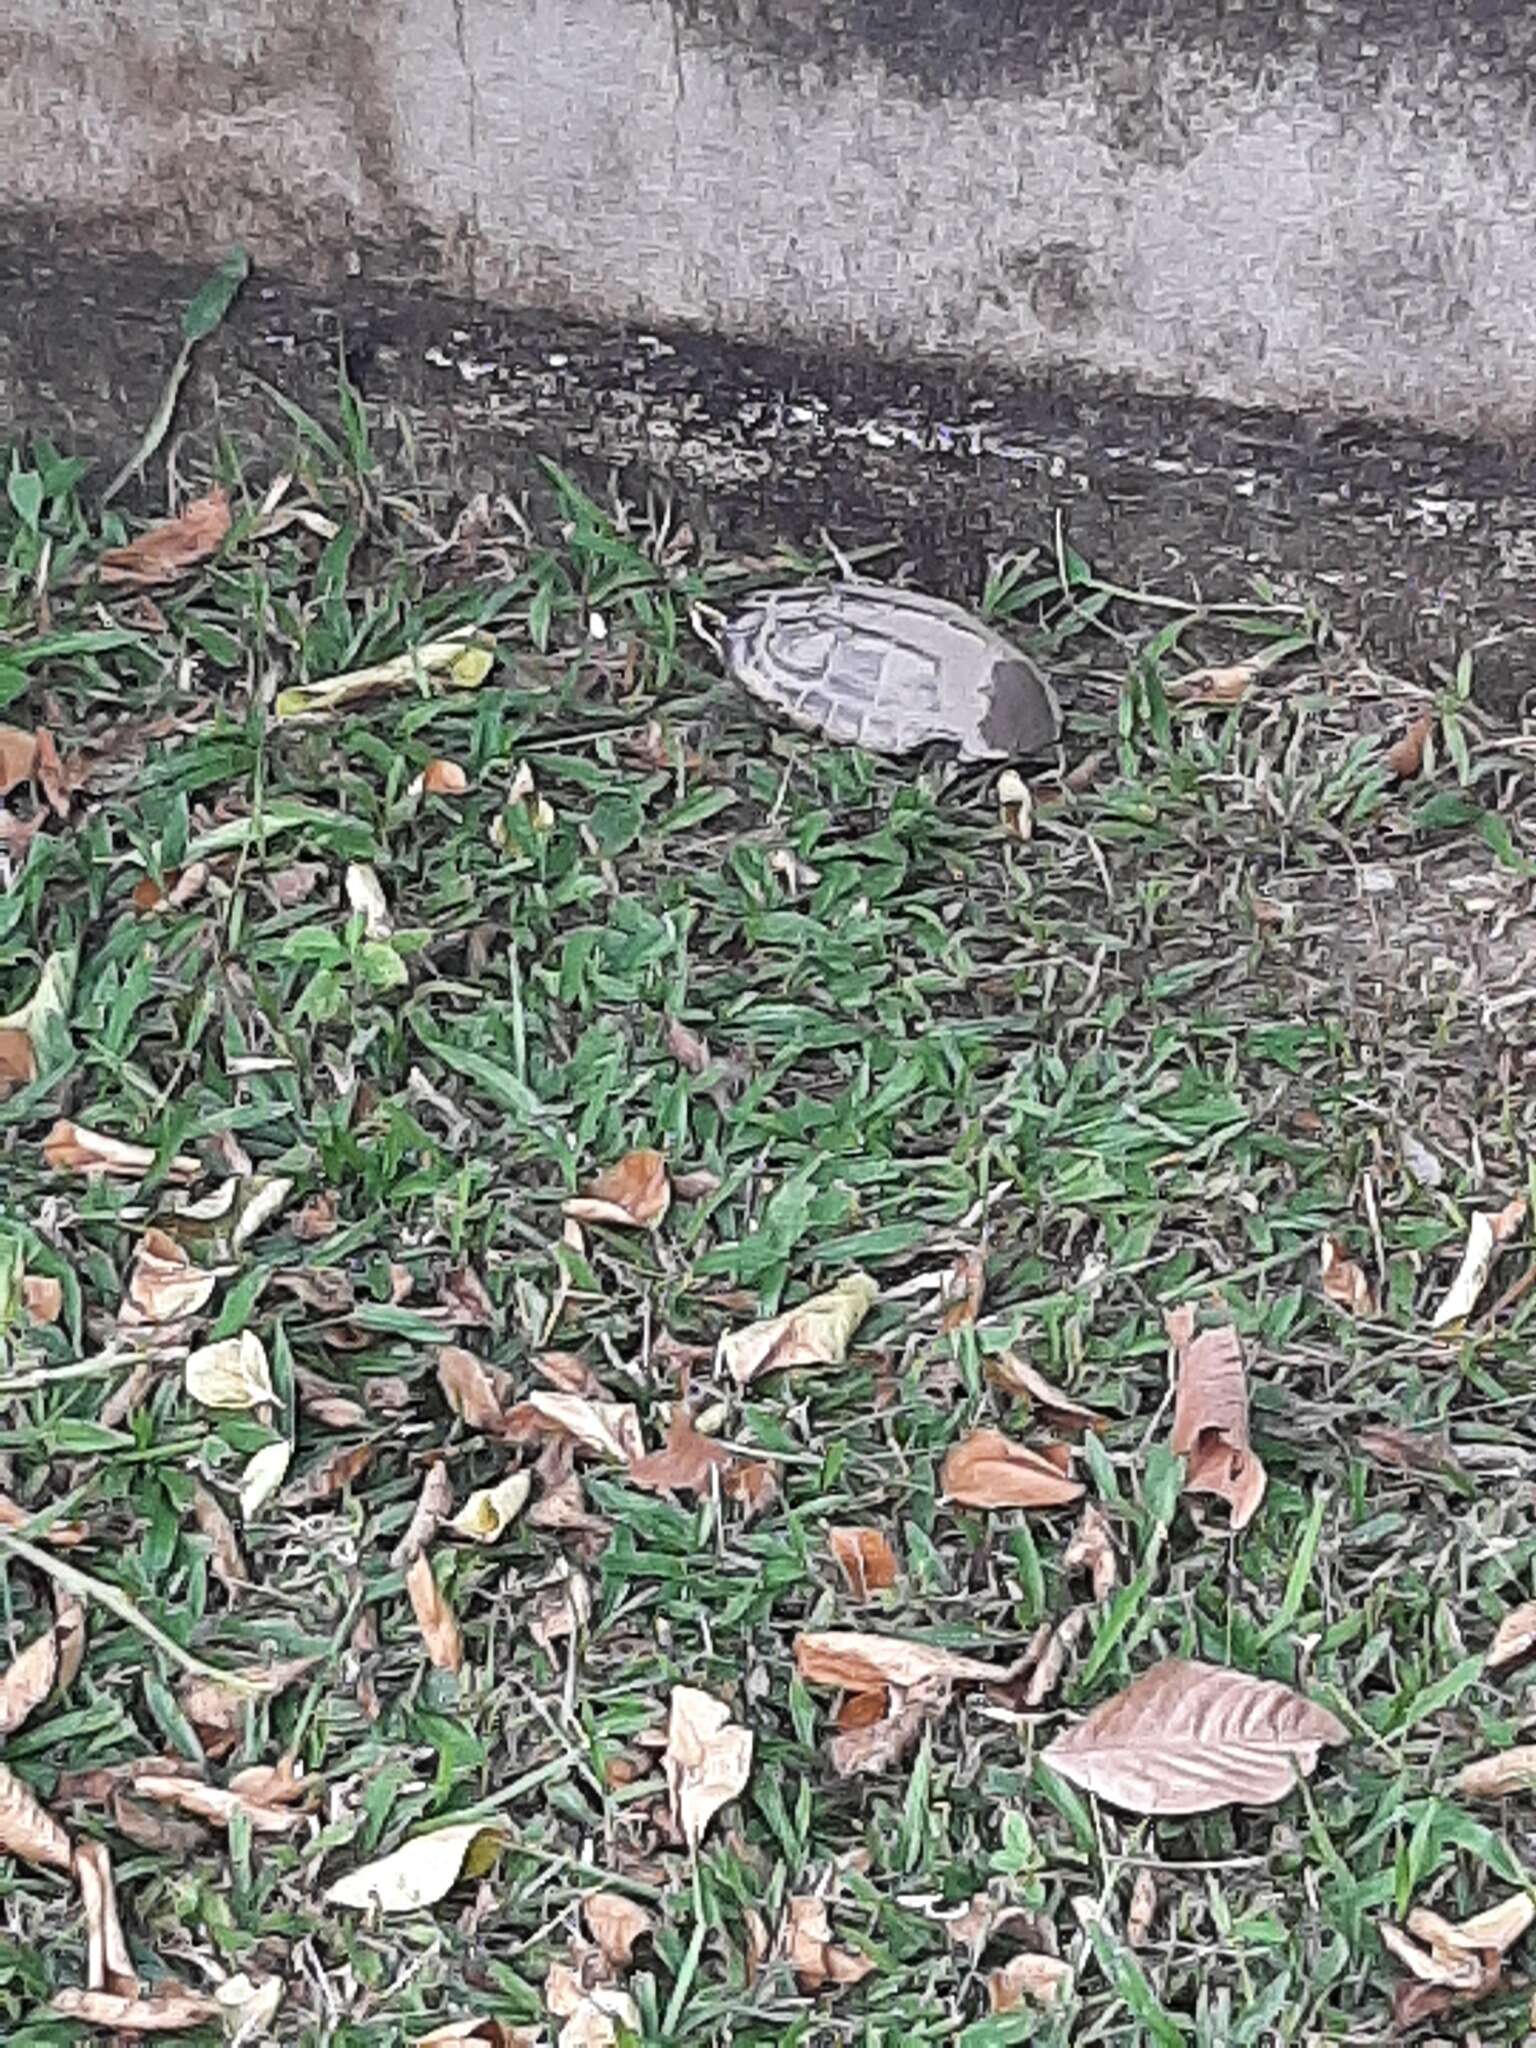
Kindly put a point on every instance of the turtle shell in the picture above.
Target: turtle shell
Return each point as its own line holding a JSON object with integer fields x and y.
{"x": 890, "y": 670}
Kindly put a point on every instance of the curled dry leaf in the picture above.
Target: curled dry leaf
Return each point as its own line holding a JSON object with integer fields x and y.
{"x": 686, "y": 1462}
{"x": 1344, "y": 1284}
{"x": 18, "y": 757}
{"x": 60, "y": 1536}
{"x": 1050, "y": 1648}
{"x": 855, "y": 1662}
{"x": 166, "y": 2010}
{"x": 616, "y": 1924}
{"x": 219, "y": 1804}
{"x": 1016, "y": 1375}
{"x": 218, "y": 1712}
{"x": 689, "y": 1050}
{"x": 806, "y": 1944}
{"x": 1485, "y": 1234}
{"x": 1029, "y": 1979}
{"x": 964, "y": 1285}
{"x": 1405, "y": 756}
{"x": 865, "y": 1559}
{"x": 1515, "y": 1638}
{"x": 433, "y": 1505}
{"x": 434, "y": 1617}
{"x": 1143, "y": 1908}
{"x": 109, "y": 1967}
{"x": 475, "y": 1392}
{"x": 562, "y": 1609}
{"x": 18, "y": 1062}
{"x": 164, "y": 1285}
{"x": 170, "y": 550}
{"x": 1092, "y": 1550}
{"x": 1188, "y": 1737}
{"x": 27, "y": 1682}
{"x": 444, "y": 778}
{"x": 491, "y": 1509}
{"x": 27, "y": 1830}
{"x": 989, "y": 1470}
{"x": 74, "y": 1148}
{"x": 755, "y": 1486}
{"x": 461, "y": 662}
{"x": 327, "y": 1402}
{"x": 331, "y": 1476}
{"x": 1210, "y": 1416}
{"x": 365, "y": 898}
{"x": 1212, "y": 687}
{"x": 879, "y": 1740}
{"x": 818, "y": 1332}
{"x": 610, "y": 1428}
{"x": 1461, "y": 1963}
{"x": 290, "y": 887}
{"x": 1015, "y": 805}
{"x": 233, "y": 1373}
{"x": 264, "y": 1474}
{"x": 635, "y": 1194}
{"x": 1497, "y": 1776}
{"x": 224, "y": 1556}
{"x": 1410, "y": 1450}
{"x": 43, "y": 1298}
{"x": 571, "y": 1374}
{"x": 422, "y": 1870}
{"x": 708, "y": 1759}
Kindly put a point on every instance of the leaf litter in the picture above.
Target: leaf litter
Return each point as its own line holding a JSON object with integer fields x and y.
{"x": 1210, "y": 1416}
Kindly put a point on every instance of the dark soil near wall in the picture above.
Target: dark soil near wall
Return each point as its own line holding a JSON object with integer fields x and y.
{"x": 1424, "y": 547}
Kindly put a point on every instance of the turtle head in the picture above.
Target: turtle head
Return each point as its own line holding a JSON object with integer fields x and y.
{"x": 1021, "y": 715}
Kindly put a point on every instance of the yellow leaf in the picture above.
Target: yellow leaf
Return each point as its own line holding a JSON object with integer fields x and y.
{"x": 491, "y": 1509}
{"x": 422, "y": 1870}
{"x": 462, "y": 663}
{"x": 818, "y": 1332}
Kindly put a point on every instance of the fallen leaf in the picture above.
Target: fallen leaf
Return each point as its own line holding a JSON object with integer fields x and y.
{"x": 170, "y": 550}
{"x": 1092, "y": 1550}
{"x": 990, "y": 1470}
{"x": 72, "y": 1148}
{"x": 854, "y": 1662}
{"x": 865, "y": 1559}
{"x": 1495, "y": 1777}
{"x": 754, "y": 1486}
{"x": 1410, "y": 1450}
{"x": 167, "y": 2010}
{"x": 1514, "y": 1639}
{"x": 290, "y": 887}
{"x": 18, "y": 756}
{"x": 18, "y": 1062}
{"x": 1015, "y": 805}
{"x": 572, "y": 1375}
{"x": 233, "y": 1373}
{"x": 165, "y": 1285}
{"x": 29, "y": 1679}
{"x": 365, "y": 897}
{"x": 1016, "y": 1375}
{"x": 708, "y": 1759}
{"x": 61, "y": 1535}
{"x": 249, "y": 2008}
{"x": 1039, "y": 1980}
{"x": 28, "y": 1830}
{"x": 964, "y": 1285}
{"x": 69, "y": 1635}
{"x": 880, "y": 1740}
{"x": 333, "y": 1475}
{"x": 434, "y": 1617}
{"x": 491, "y": 2033}
{"x": 434, "y": 1504}
{"x": 225, "y": 1560}
{"x": 1212, "y": 686}
{"x": 1187, "y": 1737}
{"x": 462, "y": 662}
{"x": 635, "y": 1193}
{"x": 1210, "y": 1416}
{"x": 610, "y": 1428}
{"x": 689, "y": 1050}
{"x": 1143, "y": 1908}
{"x": 1485, "y": 1234}
{"x": 616, "y": 1924}
{"x": 475, "y": 1392}
{"x": 1344, "y": 1284}
{"x": 109, "y": 1967}
{"x": 806, "y": 1944}
{"x": 1405, "y": 756}
{"x": 1462, "y": 1962}
{"x": 595, "y": 2015}
{"x": 444, "y": 778}
{"x": 560, "y": 1610}
{"x": 491, "y": 1509}
{"x": 218, "y": 1804}
{"x": 218, "y": 1712}
{"x": 43, "y": 1298}
{"x": 422, "y": 1870}
{"x": 264, "y": 1474}
{"x": 686, "y": 1463}
{"x": 818, "y": 1332}
{"x": 326, "y": 1402}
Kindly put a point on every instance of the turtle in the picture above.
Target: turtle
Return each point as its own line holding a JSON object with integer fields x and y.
{"x": 890, "y": 670}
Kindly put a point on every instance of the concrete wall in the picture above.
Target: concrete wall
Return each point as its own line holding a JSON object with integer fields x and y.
{"x": 1326, "y": 207}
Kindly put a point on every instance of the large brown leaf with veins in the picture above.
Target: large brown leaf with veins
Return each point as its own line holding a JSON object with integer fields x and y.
{"x": 1187, "y": 1737}
{"x": 1210, "y": 1417}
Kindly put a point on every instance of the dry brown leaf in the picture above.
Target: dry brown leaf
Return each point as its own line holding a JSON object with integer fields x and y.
{"x": 1188, "y": 1737}
{"x": 855, "y": 1662}
{"x": 865, "y": 1559}
{"x": 1496, "y": 1776}
{"x": 475, "y": 1392}
{"x": 561, "y": 1609}
{"x": 61, "y": 1536}
{"x": 989, "y": 1470}
{"x": 434, "y": 1617}
{"x": 1494, "y": 1931}
{"x": 72, "y": 1148}
{"x": 1046, "y": 1658}
{"x": 166, "y": 2010}
{"x": 1485, "y": 1234}
{"x": 170, "y": 550}
{"x": 875, "y": 1740}
{"x": 218, "y": 1803}
{"x": 689, "y": 1050}
{"x": 31, "y": 1677}
{"x": 328, "y": 1403}
{"x": 754, "y": 1485}
{"x": 708, "y": 1759}
{"x": 18, "y": 757}
{"x": 1344, "y": 1284}
{"x": 69, "y": 1634}
{"x": 1017, "y": 1376}
{"x": 43, "y": 1298}
{"x": 806, "y": 1944}
{"x": 818, "y": 1332}
{"x": 165, "y": 1285}
{"x": 109, "y": 1967}
{"x": 225, "y": 1558}
{"x": 685, "y": 1465}
{"x": 610, "y": 1428}
{"x": 28, "y": 1830}
{"x": 1514, "y": 1639}
{"x": 18, "y": 1061}
{"x": 964, "y": 1286}
{"x": 635, "y": 1194}
{"x": 1405, "y": 756}
{"x": 1410, "y": 1450}
{"x": 616, "y": 1924}
{"x": 433, "y": 1506}
{"x": 1143, "y": 1908}
{"x": 1212, "y": 686}
{"x": 290, "y": 887}
{"x": 1037, "y": 1980}
{"x": 1092, "y": 1550}
{"x": 489, "y": 2033}
{"x": 572, "y": 1375}
{"x": 563, "y": 1506}
{"x": 444, "y": 778}
{"x": 218, "y": 1711}
{"x": 331, "y": 1476}
{"x": 1210, "y": 1416}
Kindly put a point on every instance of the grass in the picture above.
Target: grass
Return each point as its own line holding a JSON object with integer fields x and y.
{"x": 1151, "y": 1055}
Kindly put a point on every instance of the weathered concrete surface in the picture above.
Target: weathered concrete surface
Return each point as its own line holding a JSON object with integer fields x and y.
{"x": 1328, "y": 206}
